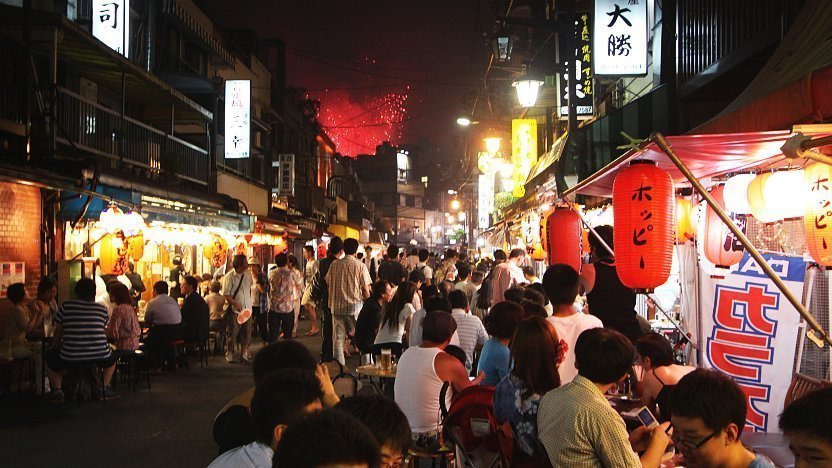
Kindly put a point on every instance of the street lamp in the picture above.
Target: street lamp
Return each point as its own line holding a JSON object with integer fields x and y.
{"x": 492, "y": 144}
{"x": 501, "y": 46}
{"x": 527, "y": 89}
{"x": 464, "y": 121}
{"x": 455, "y": 204}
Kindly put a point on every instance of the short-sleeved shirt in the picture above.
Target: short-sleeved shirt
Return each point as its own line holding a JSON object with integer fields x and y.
{"x": 346, "y": 279}
{"x": 519, "y": 412}
{"x": 124, "y": 327}
{"x": 163, "y": 310}
{"x": 283, "y": 287}
{"x": 84, "y": 336}
{"x": 395, "y": 335}
{"x": 216, "y": 305}
{"x": 569, "y": 329}
{"x": 505, "y": 276}
{"x": 495, "y": 361}
{"x": 229, "y": 285}
{"x": 578, "y": 427}
{"x": 471, "y": 333}
{"x": 391, "y": 271}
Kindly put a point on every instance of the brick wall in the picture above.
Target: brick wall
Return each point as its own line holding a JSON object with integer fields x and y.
{"x": 20, "y": 216}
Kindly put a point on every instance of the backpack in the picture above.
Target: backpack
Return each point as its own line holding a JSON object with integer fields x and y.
{"x": 484, "y": 294}
{"x": 470, "y": 420}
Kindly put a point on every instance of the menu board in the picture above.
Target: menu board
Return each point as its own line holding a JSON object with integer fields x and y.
{"x": 11, "y": 273}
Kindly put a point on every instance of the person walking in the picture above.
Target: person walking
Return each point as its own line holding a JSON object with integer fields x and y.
{"x": 283, "y": 286}
{"x": 320, "y": 293}
{"x": 349, "y": 285}
{"x": 309, "y": 272}
{"x": 506, "y": 275}
{"x": 297, "y": 279}
{"x": 260, "y": 299}
{"x": 236, "y": 287}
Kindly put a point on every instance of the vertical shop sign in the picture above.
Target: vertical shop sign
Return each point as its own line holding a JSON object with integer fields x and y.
{"x": 286, "y": 175}
{"x": 620, "y": 34}
{"x": 237, "y": 119}
{"x": 111, "y": 24}
{"x": 583, "y": 72}
{"x": 485, "y": 200}
{"x": 750, "y": 332}
{"x": 523, "y": 152}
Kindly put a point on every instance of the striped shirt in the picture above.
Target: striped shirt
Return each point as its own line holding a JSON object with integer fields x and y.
{"x": 84, "y": 338}
{"x": 471, "y": 333}
{"x": 347, "y": 278}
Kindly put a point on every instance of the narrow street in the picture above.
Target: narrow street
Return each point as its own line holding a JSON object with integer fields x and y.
{"x": 169, "y": 426}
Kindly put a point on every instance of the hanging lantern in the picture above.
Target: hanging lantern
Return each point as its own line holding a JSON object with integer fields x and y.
{"x": 735, "y": 193}
{"x": 216, "y": 252}
{"x": 132, "y": 223}
{"x": 721, "y": 246}
{"x": 111, "y": 219}
{"x": 527, "y": 89}
{"x": 685, "y": 223}
{"x": 584, "y": 241}
{"x": 642, "y": 202}
{"x": 772, "y": 196}
{"x": 538, "y": 254}
{"x": 818, "y": 212}
{"x": 564, "y": 238}
{"x": 113, "y": 252}
{"x": 135, "y": 246}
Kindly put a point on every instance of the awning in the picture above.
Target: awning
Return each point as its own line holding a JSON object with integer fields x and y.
{"x": 705, "y": 155}
{"x": 273, "y": 226}
{"x": 794, "y": 85}
{"x": 548, "y": 159}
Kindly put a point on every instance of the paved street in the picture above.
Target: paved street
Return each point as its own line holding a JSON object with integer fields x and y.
{"x": 170, "y": 426}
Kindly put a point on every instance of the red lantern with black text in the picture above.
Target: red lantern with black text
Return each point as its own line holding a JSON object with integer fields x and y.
{"x": 721, "y": 246}
{"x": 563, "y": 238}
{"x": 818, "y": 212}
{"x": 643, "y": 206}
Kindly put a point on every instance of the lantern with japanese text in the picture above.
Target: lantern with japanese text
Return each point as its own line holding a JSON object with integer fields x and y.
{"x": 721, "y": 246}
{"x": 642, "y": 201}
{"x": 772, "y": 195}
{"x": 685, "y": 223}
{"x": 113, "y": 252}
{"x": 818, "y": 212}
{"x": 112, "y": 219}
{"x": 136, "y": 246}
{"x": 538, "y": 254}
{"x": 563, "y": 238}
{"x": 216, "y": 251}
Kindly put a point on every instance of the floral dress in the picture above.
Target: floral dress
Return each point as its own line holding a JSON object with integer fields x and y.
{"x": 521, "y": 414}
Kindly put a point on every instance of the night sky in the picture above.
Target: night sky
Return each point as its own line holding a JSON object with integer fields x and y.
{"x": 396, "y": 70}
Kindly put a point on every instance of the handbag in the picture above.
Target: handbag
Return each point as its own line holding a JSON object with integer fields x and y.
{"x": 229, "y": 310}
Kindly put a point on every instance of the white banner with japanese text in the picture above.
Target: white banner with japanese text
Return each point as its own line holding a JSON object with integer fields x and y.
{"x": 750, "y": 331}
{"x": 620, "y": 37}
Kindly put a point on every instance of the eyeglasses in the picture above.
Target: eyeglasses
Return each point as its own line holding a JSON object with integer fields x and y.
{"x": 690, "y": 445}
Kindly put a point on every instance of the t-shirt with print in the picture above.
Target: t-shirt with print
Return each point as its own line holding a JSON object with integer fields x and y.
{"x": 569, "y": 328}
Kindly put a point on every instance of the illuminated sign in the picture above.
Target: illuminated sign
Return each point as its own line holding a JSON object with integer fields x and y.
{"x": 286, "y": 175}
{"x": 111, "y": 24}
{"x": 583, "y": 72}
{"x": 237, "y": 119}
{"x": 620, "y": 34}
{"x": 485, "y": 200}
{"x": 523, "y": 152}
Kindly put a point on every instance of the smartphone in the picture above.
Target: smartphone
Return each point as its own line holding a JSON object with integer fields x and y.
{"x": 646, "y": 418}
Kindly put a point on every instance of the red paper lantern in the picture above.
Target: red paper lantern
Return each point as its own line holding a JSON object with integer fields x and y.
{"x": 643, "y": 205}
{"x": 721, "y": 246}
{"x": 563, "y": 238}
{"x": 818, "y": 212}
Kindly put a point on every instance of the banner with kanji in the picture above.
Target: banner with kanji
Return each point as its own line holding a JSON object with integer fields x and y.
{"x": 750, "y": 331}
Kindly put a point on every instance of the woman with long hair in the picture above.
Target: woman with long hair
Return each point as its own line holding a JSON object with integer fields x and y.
{"x": 661, "y": 373}
{"x": 123, "y": 326}
{"x": 395, "y": 320}
{"x": 536, "y": 354}
{"x": 297, "y": 273}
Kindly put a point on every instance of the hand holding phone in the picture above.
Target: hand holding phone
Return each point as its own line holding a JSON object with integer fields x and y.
{"x": 646, "y": 418}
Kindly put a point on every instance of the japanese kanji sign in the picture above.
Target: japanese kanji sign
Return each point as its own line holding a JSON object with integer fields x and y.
{"x": 523, "y": 152}
{"x": 237, "y": 119}
{"x": 111, "y": 24}
{"x": 750, "y": 332}
{"x": 583, "y": 71}
{"x": 620, "y": 36}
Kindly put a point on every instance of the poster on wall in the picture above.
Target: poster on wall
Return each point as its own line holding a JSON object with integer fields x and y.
{"x": 750, "y": 332}
{"x": 11, "y": 273}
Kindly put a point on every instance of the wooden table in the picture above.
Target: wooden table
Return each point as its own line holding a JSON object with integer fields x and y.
{"x": 371, "y": 371}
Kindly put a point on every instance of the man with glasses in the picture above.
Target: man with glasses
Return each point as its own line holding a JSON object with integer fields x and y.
{"x": 709, "y": 413}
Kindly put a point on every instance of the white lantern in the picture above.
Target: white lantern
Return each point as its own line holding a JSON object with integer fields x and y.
{"x": 133, "y": 223}
{"x": 774, "y": 196}
{"x": 492, "y": 144}
{"x": 111, "y": 219}
{"x": 527, "y": 90}
{"x": 735, "y": 193}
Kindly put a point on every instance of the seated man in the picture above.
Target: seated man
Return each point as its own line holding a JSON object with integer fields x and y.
{"x": 385, "y": 421}
{"x": 807, "y": 423}
{"x": 165, "y": 318}
{"x": 423, "y": 370}
{"x": 80, "y": 339}
{"x": 576, "y": 424}
{"x": 195, "y": 313}
{"x": 472, "y": 334}
{"x": 708, "y": 417}
{"x": 328, "y": 439}
{"x": 280, "y": 399}
{"x": 233, "y": 426}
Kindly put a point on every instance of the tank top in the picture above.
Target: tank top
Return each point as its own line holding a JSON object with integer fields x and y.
{"x": 612, "y": 302}
{"x": 417, "y": 389}
{"x": 663, "y": 399}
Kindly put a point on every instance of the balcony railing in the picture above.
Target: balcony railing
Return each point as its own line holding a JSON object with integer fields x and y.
{"x": 97, "y": 129}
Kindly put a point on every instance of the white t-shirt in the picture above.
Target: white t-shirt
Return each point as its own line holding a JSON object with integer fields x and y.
{"x": 569, "y": 328}
{"x": 386, "y": 335}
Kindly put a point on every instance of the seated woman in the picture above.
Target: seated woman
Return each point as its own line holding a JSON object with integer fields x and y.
{"x": 536, "y": 354}
{"x": 500, "y": 324}
{"x": 123, "y": 326}
{"x": 44, "y": 309}
{"x": 367, "y": 325}
{"x": 661, "y": 373}
{"x": 395, "y": 320}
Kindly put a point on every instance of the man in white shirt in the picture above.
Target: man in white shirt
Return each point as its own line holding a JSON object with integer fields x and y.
{"x": 561, "y": 283}
{"x": 423, "y": 266}
{"x": 506, "y": 275}
{"x": 279, "y": 400}
{"x": 236, "y": 287}
{"x": 471, "y": 331}
{"x": 165, "y": 317}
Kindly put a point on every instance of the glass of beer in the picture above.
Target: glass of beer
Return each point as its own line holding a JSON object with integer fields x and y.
{"x": 386, "y": 359}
